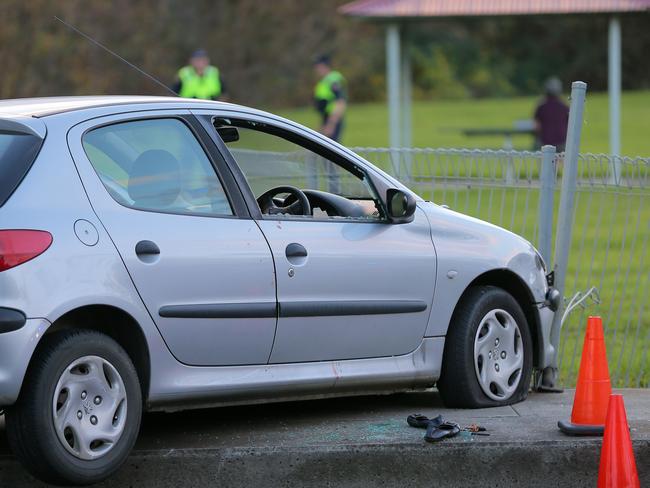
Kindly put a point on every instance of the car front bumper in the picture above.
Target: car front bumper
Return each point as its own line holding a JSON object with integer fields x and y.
{"x": 547, "y": 355}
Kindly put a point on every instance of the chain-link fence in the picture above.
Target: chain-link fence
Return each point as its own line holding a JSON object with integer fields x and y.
{"x": 609, "y": 242}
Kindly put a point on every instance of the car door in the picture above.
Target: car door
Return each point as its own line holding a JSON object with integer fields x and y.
{"x": 353, "y": 287}
{"x": 199, "y": 262}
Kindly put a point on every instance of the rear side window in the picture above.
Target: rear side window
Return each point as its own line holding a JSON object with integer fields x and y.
{"x": 17, "y": 153}
{"x": 156, "y": 165}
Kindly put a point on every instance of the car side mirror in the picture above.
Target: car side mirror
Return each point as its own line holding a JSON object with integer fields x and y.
{"x": 401, "y": 206}
{"x": 228, "y": 134}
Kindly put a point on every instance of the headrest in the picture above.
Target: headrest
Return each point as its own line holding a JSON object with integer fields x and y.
{"x": 155, "y": 179}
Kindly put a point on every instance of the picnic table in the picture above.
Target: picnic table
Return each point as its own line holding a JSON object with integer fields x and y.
{"x": 519, "y": 127}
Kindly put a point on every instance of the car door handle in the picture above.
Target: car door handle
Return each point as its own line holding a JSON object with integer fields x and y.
{"x": 146, "y": 248}
{"x": 295, "y": 250}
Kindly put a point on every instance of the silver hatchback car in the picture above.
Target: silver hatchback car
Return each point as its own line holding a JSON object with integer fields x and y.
{"x": 163, "y": 254}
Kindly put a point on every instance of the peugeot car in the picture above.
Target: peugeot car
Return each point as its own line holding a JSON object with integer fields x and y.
{"x": 164, "y": 253}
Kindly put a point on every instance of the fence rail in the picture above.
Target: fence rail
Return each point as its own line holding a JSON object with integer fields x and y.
{"x": 609, "y": 242}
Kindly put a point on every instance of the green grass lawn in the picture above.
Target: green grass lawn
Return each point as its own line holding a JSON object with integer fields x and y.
{"x": 438, "y": 123}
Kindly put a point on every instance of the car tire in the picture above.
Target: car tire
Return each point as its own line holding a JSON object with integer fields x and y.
{"x": 84, "y": 434}
{"x": 488, "y": 353}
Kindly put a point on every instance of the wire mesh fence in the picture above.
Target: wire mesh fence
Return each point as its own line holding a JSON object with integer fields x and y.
{"x": 609, "y": 241}
{"x": 609, "y": 251}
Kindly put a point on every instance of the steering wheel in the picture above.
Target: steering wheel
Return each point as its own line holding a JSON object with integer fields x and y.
{"x": 269, "y": 206}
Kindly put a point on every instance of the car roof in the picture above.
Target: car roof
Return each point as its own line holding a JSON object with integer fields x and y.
{"x": 42, "y": 107}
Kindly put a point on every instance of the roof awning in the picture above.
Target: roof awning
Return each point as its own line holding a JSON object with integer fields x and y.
{"x": 385, "y": 9}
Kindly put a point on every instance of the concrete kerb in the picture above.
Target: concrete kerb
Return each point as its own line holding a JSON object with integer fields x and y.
{"x": 363, "y": 442}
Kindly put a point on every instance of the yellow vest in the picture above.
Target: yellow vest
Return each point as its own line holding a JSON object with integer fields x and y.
{"x": 323, "y": 89}
{"x": 207, "y": 86}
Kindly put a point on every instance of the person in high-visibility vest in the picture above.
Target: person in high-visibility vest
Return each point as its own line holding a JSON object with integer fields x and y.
{"x": 199, "y": 79}
{"x": 330, "y": 97}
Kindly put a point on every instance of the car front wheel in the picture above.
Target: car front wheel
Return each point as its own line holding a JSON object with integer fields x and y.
{"x": 79, "y": 411}
{"x": 488, "y": 351}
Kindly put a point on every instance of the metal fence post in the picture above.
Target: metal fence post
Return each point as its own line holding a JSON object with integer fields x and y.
{"x": 312, "y": 168}
{"x": 547, "y": 180}
{"x": 614, "y": 86}
{"x": 565, "y": 217}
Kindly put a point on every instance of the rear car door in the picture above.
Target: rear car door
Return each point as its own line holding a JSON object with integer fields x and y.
{"x": 197, "y": 259}
{"x": 348, "y": 287}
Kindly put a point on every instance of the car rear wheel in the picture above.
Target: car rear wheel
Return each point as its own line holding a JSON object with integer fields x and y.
{"x": 488, "y": 351}
{"x": 79, "y": 411}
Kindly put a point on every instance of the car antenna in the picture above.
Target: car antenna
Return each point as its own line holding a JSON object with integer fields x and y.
{"x": 97, "y": 43}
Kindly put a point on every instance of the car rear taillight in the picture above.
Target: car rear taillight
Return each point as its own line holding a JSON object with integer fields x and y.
{"x": 19, "y": 246}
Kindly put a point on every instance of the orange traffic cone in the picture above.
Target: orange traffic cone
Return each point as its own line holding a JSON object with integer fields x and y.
{"x": 617, "y": 465}
{"x": 593, "y": 388}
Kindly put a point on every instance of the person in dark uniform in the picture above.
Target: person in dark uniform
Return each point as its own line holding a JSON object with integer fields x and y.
{"x": 199, "y": 79}
{"x": 330, "y": 97}
{"x": 552, "y": 117}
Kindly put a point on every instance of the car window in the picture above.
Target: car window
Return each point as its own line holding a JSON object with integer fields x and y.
{"x": 156, "y": 165}
{"x": 269, "y": 161}
{"x": 17, "y": 153}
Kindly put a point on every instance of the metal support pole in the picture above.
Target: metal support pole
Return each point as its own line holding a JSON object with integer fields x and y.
{"x": 565, "y": 217}
{"x": 406, "y": 141}
{"x": 614, "y": 86}
{"x": 406, "y": 94}
{"x": 393, "y": 83}
{"x": 547, "y": 191}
